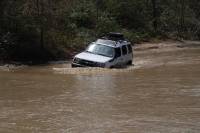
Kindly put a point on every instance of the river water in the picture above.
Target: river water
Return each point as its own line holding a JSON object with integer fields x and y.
{"x": 160, "y": 94}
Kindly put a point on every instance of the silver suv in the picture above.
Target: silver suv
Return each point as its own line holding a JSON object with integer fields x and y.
{"x": 109, "y": 52}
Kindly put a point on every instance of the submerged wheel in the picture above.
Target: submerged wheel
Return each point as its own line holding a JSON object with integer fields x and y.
{"x": 111, "y": 67}
{"x": 73, "y": 66}
{"x": 130, "y": 62}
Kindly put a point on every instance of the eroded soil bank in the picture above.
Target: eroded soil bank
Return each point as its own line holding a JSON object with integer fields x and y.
{"x": 144, "y": 48}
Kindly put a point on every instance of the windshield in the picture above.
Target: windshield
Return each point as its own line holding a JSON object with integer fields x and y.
{"x": 101, "y": 50}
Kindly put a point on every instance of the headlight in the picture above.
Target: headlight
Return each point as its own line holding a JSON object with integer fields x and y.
{"x": 76, "y": 60}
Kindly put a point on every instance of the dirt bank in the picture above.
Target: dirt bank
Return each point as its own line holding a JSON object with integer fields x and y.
{"x": 139, "y": 49}
{"x": 168, "y": 45}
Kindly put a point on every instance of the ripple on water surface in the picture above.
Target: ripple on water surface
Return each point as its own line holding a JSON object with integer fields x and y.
{"x": 91, "y": 70}
{"x": 160, "y": 94}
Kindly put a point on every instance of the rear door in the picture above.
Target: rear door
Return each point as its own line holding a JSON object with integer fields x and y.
{"x": 130, "y": 52}
{"x": 124, "y": 54}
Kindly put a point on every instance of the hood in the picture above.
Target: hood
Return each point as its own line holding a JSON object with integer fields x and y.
{"x": 93, "y": 57}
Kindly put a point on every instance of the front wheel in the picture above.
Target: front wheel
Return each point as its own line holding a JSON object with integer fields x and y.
{"x": 130, "y": 62}
{"x": 73, "y": 66}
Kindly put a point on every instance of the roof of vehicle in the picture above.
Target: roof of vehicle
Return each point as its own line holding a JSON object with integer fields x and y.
{"x": 113, "y": 39}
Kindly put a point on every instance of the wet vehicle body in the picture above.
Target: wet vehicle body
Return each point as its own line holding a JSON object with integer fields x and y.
{"x": 107, "y": 52}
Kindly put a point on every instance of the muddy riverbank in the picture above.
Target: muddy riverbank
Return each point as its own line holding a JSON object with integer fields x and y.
{"x": 145, "y": 47}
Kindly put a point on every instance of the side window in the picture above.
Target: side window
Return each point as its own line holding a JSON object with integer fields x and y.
{"x": 130, "y": 50}
{"x": 117, "y": 52}
{"x": 124, "y": 50}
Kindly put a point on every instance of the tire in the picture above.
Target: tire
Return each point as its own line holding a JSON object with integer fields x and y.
{"x": 111, "y": 67}
{"x": 130, "y": 62}
{"x": 73, "y": 66}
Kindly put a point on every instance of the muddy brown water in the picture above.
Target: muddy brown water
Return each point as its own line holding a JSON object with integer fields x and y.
{"x": 160, "y": 94}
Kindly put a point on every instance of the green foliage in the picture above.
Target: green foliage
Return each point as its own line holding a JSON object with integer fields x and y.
{"x": 83, "y": 15}
{"x": 43, "y": 29}
{"x": 105, "y": 24}
{"x": 136, "y": 37}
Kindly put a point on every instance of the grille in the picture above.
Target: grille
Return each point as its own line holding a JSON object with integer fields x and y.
{"x": 87, "y": 63}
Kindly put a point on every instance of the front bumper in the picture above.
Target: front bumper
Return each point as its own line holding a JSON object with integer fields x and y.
{"x": 74, "y": 64}
{"x": 77, "y": 65}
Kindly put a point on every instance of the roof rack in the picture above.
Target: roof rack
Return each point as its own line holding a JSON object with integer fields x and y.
{"x": 114, "y": 36}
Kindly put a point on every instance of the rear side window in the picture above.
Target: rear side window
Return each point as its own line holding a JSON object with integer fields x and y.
{"x": 117, "y": 52}
{"x": 124, "y": 50}
{"x": 130, "y": 50}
